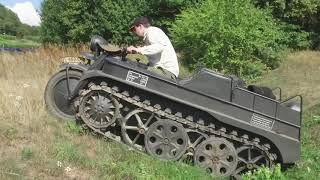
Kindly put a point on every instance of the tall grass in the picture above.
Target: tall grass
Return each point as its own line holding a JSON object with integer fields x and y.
{"x": 24, "y": 122}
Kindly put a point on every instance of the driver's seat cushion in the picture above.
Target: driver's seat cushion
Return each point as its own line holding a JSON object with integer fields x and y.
{"x": 265, "y": 91}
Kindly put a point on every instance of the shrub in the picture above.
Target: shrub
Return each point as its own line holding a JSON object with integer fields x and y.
{"x": 229, "y": 35}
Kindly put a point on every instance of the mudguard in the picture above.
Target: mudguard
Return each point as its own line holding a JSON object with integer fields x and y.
{"x": 78, "y": 67}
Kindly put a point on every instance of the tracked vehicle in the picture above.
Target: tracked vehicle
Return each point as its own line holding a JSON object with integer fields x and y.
{"x": 209, "y": 119}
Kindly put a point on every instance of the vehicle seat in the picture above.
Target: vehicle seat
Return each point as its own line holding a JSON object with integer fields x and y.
{"x": 262, "y": 90}
{"x": 186, "y": 80}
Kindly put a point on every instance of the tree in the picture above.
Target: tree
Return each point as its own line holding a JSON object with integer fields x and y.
{"x": 53, "y": 29}
{"x": 9, "y": 21}
{"x": 74, "y": 21}
{"x": 299, "y": 15}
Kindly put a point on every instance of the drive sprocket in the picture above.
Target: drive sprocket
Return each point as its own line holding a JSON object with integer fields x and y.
{"x": 251, "y": 158}
{"x": 98, "y": 108}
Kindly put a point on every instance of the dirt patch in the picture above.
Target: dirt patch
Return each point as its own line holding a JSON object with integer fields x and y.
{"x": 76, "y": 174}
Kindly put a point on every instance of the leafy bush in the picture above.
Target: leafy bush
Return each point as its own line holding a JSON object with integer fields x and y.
{"x": 229, "y": 35}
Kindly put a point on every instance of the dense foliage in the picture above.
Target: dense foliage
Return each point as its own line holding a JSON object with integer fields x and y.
{"x": 229, "y": 35}
{"x": 74, "y": 21}
{"x": 11, "y": 25}
{"x": 300, "y": 14}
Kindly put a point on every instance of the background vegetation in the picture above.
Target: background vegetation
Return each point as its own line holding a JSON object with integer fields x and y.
{"x": 9, "y": 41}
{"x": 242, "y": 37}
{"x": 11, "y": 25}
{"x": 299, "y": 15}
{"x": 75, "y": 21}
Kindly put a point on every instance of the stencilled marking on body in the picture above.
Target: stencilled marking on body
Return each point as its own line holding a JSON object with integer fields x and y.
{"x": 261, "y": 122}
{"x": 137, "y": 78}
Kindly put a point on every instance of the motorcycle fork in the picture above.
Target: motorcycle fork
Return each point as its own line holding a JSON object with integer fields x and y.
{"x": 68, "y": 80}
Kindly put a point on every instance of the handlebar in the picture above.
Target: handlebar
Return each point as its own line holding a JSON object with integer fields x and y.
{"x": 122, "y": 52}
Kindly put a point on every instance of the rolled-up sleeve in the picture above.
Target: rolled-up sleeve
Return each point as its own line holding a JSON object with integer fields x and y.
{"x": 155, "y": 47}
{"x": 151, "y": 49}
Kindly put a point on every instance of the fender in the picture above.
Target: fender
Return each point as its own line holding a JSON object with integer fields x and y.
{"x": 78, "y": 67}
{"x": 66, "y": 67}
{"x": 84, "y": 81}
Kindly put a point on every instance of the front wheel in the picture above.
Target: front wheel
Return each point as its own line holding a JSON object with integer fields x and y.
{"x": 56, "y": 94}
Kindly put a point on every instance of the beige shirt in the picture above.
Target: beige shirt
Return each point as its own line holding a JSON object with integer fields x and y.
{"x": 159, "y": 50}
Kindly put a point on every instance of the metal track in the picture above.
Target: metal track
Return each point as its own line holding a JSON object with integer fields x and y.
{"x": 188, "y": 122}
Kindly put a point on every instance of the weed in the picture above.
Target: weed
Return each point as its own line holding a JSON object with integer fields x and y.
{"x": 11, "y": 133}
{"x": 26, "y": 154}
{"x": 68, "y": 152}
{"x": 73, "y": 127}
{"x": 265, "y": 174}
{"x": 316, "y": 119}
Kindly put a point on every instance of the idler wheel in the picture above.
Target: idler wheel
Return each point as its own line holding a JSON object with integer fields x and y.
{"x": 166, "y": 140}
{"x": 99, "y": 109}
{"x": 134, "y": 127}
{"x": 217, "y": 156}
{"x": 250, "y": 158}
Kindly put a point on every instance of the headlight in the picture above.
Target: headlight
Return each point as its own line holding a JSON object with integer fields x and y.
{"x": 96, "y": 42}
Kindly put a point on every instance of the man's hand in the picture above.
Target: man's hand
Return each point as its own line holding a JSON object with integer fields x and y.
{"x": 132, "y": 49}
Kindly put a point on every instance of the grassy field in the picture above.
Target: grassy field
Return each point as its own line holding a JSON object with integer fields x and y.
{"x": 299, "y": 74}
{"x": 13, "y": 42}
{"x": 35, "y": 145}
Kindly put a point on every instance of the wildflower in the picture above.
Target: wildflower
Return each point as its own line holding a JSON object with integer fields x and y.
{"x": 17, "y": 104}
{"x": 67, "y": 169}
{"x": 18, "y": 98}
{"x": 26, "y": 85}
{"x": 59, "y": 164}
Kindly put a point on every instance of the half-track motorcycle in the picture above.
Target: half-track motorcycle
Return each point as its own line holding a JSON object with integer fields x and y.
{"x": 209, "y": 119}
